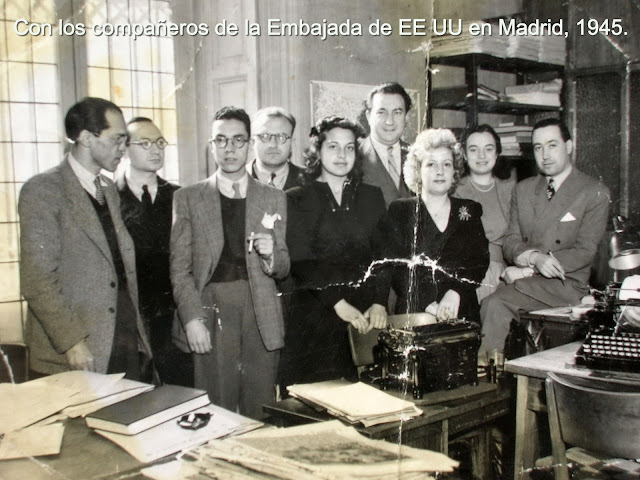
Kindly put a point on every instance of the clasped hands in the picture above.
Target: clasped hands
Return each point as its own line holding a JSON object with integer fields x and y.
{"x": 374, "y": 317}
{"x": 447, "y": 308}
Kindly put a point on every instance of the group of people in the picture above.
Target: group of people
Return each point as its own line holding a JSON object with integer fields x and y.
{"x": 251, "y": 277}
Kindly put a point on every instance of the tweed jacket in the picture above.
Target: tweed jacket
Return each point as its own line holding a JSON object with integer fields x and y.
{"x": 197, "y": 239}
{"x": 570, "y": 225}
{"x": 67, "y": 272}
{"x": 376, "y": 174}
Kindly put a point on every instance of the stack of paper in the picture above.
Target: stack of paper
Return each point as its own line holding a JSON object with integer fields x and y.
{"x": 324, "y": 450}
{"x": 542, "y": 93}
{"x": 355, "y": 402}
{"x": 512, "y": 137}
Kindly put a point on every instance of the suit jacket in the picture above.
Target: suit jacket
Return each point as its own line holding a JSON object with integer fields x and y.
{"x": 67, "y": 272}
{"x": 376, "y": 174}
{"x": 150, "y": 232}
{"x": 570, "y": 225}
{"x": 196, "y": 244}
{"x": 293, "y": 177}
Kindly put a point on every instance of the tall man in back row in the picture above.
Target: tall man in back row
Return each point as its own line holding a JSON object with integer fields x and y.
{"x": 78, "y": 271}
{"x": 557, "y": 221}
{"x": 382, "y": 151}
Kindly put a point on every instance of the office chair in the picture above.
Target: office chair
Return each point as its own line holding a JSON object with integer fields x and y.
{"x": 597, "y": 415}
{"x": 14, "y": 362}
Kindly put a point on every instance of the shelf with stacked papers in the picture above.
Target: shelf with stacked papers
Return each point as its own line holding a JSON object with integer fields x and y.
{"x": 450, "y": 99}
{"x": 485, "y": 61}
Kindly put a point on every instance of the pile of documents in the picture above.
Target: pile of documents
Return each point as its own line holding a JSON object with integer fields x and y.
{"x": 357, "y": 402}
{"x": 539, "y": 48}
{"x": 28, "y": 425}
{"x": 512, "y": 137}
{"x": 326, "y": 450}
{"x": 542, "y": 93}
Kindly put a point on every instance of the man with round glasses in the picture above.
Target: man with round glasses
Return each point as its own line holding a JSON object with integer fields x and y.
{"x": 146, "y": 202}
{"x": 227, "y": 249}
{"x": 273, "y": 128}
{"x": 78, "y": 269}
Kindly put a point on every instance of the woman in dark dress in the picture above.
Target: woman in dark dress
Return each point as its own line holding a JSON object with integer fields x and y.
{"x": 437, "y": 242}
{"x": 330, "y": 223}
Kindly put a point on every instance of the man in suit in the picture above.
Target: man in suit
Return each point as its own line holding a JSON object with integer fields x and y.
{"x": 383, "y": 152}
{"x": 146, "y": 202}
{"x": 78, "y": 270}
{"x": 273, "y": 128}
{"x": 557, "y": 220}
{"x": 227, "y": 249}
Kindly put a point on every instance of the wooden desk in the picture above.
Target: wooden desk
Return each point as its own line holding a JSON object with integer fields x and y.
{"x": 84, "y": 455}
{"x": 468, "y": 411}
{"x": 531, "y": 372}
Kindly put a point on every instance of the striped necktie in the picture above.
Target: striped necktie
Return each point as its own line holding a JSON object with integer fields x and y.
{"x": 551, "y": 189}
{"x": 236, "y": 190}
{"x": 99, "y": 191}
{"x": 393, "y": 169}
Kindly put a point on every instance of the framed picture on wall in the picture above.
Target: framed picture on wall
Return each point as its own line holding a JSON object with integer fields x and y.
{"x": 348, "y": 100}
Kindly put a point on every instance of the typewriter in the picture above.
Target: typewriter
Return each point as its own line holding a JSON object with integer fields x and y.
{"x": 613, "y": 341}
{"x": 428, "y": 358}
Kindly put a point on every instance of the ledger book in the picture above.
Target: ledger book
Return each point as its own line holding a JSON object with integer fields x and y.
{"x": 148, "y": 409}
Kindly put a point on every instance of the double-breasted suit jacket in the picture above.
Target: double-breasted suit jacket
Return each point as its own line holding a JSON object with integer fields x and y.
{"x": 197, "y": 239}
{"x": 570, "y": 225}
{"x": 67, "y": 271}
{"x": 376, "y": 174}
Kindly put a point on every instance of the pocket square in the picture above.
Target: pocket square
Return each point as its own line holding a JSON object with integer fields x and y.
{"x": 568, "y": 218}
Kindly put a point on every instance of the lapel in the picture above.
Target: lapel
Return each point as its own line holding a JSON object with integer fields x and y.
{"x": 378, "y": 172}
{"x": 255, "y": 207}
{"x": 564, "y": 196}
{"x": 539, "y": 200}
{"x": 82, "y": 211}
{"x": 208, "y": 209}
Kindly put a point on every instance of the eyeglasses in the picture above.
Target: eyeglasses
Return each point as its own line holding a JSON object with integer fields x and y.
{"x": 121, "y": 140}
{"x": 281, "y": 138}
{"x": 221, "y": 141}
{"x": 145, "y": 143}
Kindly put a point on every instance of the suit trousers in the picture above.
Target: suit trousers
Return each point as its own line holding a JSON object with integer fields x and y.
{"x": 239, "y": 373}
{"x": 497, "y": 311}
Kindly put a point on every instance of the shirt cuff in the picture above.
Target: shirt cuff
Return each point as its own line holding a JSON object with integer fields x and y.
{"x": 524, "y": 259}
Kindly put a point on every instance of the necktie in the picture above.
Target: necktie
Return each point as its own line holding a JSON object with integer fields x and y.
{"x": 146, "y": 198}
{"x": 551, "y": 189}
{"x": 393, "y": 169}
{"x": 271, "y": 181}
{"x": 99, "y": 191}
{"x": 236, "y": 190}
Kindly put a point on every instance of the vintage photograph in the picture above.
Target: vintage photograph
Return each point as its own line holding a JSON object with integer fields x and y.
{"x": 420, "y": 218}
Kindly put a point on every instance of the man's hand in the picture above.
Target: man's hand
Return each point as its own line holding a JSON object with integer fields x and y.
{"x": 448, "y": 306}
{"x": 547, "y": 265}
{"x": 263, "y": 244}
{"x": 377, "y": 316}
{"x": 79, "y": 357}
{"x": 198, "y": 336}
{"x": 352, "y": 315}
{"x": 511, "y": 274}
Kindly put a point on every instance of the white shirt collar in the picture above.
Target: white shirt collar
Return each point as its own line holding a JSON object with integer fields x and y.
{"x": 136, "y": 188}
{"x": 225, "y": 185}
{"x": 560, "y": 178}
{"x": 85, "y": 177}
{"x": 264, "y": 175}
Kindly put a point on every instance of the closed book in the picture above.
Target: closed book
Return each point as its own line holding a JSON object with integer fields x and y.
{"x": 147, "y": 410}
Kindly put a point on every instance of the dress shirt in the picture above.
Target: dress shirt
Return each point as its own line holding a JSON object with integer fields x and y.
{"x": 225, "y": 185}
{"x": 382, "y": 151}
{"x": 264, "y": 175}
{"x": 136, "y": 187}
{"x": 524, "y": 259}
{"x": 85, "y": 177}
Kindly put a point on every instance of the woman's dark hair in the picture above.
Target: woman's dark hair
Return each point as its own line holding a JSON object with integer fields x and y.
{"x": 317, "y": 137}
{"x": 502, "y": 168}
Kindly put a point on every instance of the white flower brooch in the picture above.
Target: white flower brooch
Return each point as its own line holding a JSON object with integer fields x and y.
{"x": 269, "y": 221}
{"x": 463, "y": 213}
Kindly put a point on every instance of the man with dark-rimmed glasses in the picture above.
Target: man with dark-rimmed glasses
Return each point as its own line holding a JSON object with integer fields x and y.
{"x": 227, "y": 249}
{"x": 146, "y": 201}
{"x": 77, "y": 269}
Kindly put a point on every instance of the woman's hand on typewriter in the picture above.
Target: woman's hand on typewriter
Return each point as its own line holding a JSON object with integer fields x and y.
{"x": 377, "y": 316}
{"x": 448, "y": 306}
{"x": 352, "y": 315}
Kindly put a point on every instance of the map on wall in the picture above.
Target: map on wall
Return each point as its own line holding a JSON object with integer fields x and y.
{"x": 348, "y": 100}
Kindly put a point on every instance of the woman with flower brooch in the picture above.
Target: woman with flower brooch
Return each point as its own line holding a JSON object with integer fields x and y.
{"x": 437, "y": 243}
{"x": 332, "y": 218}
{"x": 487, "y": 180}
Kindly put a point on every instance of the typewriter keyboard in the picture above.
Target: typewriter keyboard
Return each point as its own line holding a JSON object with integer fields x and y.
{"x": 606, "y": 351}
